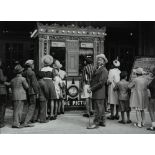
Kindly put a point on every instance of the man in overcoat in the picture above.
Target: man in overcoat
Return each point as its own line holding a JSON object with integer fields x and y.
{"x": 97, "y": 86}
{"x": 33, "y": 91}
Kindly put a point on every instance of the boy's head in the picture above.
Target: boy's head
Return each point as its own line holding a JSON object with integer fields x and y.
{"x": 123, "y": 75}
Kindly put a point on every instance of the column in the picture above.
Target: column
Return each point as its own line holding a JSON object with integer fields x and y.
{"x": 102, "y": 46}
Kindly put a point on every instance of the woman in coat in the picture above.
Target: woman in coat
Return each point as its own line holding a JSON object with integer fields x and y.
{"x": 113, "y": 78}
{"x": 141, "y": 99}
{"x": 48, "y": 78}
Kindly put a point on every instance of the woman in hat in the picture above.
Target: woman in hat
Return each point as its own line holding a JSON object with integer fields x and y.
{"x": 48, "y": 78}
{"x": 151, "y": 107}
{"x": 18, "y": 86}
{"x": 60, "y": 86}
{"x": 113, "y": 78}
{"x": 141, "y": 99}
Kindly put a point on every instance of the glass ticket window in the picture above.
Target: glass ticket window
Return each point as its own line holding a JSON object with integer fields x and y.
{"x": 59, "y": 53}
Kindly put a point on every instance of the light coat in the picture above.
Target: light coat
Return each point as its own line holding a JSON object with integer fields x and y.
{"x": 140, "y": 99}
{"x": 113, "y": 78}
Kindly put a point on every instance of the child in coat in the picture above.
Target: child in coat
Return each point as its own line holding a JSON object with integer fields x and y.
{"x": 123, "y": 97}
{"x": 18, "y": 86}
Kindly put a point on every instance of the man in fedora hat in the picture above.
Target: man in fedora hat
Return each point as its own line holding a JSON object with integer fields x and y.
{"x": 33, "y": 91}
{"x": 97, "y": 86}
{"x": 18, "y": 86}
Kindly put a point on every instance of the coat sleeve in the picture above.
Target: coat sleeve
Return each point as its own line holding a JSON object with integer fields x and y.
{"x": 25, "y": 84}
{"x": 131, "y": 84}
{"x": 102, "y": 80}
{"x": 34, "y": 83}
{"x": 2, "y": 77}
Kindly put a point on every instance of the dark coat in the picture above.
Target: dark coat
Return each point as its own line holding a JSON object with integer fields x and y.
{"x": 30, "y": 76}
{"x": 99, "y": 79}
{"x": 2, "y": 85}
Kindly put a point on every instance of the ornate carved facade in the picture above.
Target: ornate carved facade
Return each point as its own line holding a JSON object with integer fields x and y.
{"x": 70, "y": 37}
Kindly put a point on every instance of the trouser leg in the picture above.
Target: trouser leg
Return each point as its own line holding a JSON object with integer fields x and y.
{"x": 17, "y": 112}
{"x": 101, "y": 111}
{"x": 88, "y": 105}
{"x": 42, "y": 115}
{"x": 112, "y": 109}
{"x": 31, "y": 109}
{"x": 96, "y": 111}
{"x": 36, "y": 111}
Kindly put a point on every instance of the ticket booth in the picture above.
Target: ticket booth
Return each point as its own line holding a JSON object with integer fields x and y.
{"x": 70, "y": 44}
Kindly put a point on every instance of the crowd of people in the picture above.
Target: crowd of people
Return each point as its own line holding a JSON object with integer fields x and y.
{"x": 45, "y": 92}
{"x": 137, "y": 93}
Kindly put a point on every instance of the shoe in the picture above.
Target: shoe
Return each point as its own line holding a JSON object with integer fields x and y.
{"x": 94, "y": 126}
{"x": 143, "y": 124}
{"x": 116, "y": 117}
{"x": 28, "y": 125}
{"x": 110, "y": 117}
{"x": 18, "y": 127}
{"x": 151, "y": 128}
{"x": 102, "y": 124}
{"x": 62, "y": 112}
{"x": 85, "y": 115}
{"x": 129, "y": 121}
{"x": 33, "y": 121}
{"x": 51, "y": 118}
{"x": 137, "y": 125}
{"x": 48, "y": 118}
{"x": 122, "y": 122}
{"x": 44, "y": 121}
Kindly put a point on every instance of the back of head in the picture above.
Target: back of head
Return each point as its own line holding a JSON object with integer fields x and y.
{"x": 123, "y": 75}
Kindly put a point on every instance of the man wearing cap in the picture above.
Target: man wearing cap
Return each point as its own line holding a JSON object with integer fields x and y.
{"x": 97, "y": 86}
{"x": 33, "y": 91}
{"x": 113, "y": 78}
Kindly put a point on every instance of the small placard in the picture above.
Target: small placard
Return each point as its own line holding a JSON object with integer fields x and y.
{"x": 58, "y": 44}
{"x": 87, "y": 45}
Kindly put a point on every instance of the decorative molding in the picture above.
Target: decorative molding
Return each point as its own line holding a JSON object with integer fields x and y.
{"x": 71, "y": 30}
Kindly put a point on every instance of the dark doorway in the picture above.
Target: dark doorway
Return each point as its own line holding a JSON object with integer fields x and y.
{"x": 59, "y": 53}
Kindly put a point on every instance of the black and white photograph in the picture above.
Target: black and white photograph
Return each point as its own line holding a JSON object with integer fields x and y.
{"x": 77, "y": 77}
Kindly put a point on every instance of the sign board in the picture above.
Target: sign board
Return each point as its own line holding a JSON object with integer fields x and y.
{"x": 144, "y": 62}
{"x": 86, "y": 45}
{"x": 58, "y": 44}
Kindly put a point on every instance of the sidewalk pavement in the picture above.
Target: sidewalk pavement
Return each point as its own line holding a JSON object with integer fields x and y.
{"x": 72, "y": 122}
